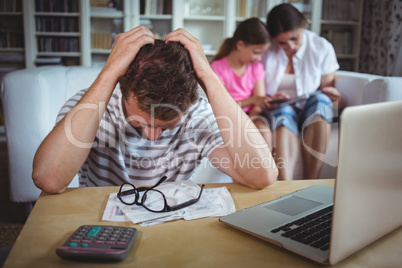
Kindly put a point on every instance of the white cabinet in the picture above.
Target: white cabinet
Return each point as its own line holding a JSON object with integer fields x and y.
{"x": 339, "y": 21}
{"x": 81, "y": 32}
{"x": 101, "y": 23}
{"x": 209, "y": 21}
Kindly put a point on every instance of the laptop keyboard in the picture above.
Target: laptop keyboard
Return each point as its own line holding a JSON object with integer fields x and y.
{"x": 313, "y": 230}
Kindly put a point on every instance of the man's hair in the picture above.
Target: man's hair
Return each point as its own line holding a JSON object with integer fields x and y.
{"x": 162, "y": 79}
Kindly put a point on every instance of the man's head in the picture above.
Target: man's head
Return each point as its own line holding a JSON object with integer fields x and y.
{"x": 161, "y": 81}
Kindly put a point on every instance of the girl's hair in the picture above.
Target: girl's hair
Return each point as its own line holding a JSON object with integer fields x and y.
{"x": 251, "y": 31}
{"x": 284, "y": 18}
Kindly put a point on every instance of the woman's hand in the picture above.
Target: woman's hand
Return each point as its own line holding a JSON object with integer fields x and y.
{"x": 280, "y": 95}
{"x": 334, "y": 95}
{"x": 125, "y": 48}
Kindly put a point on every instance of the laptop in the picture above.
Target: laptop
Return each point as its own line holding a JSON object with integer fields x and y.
{"x": 325, "y": 224}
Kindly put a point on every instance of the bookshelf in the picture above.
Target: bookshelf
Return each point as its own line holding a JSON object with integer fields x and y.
{"x": 54, "y": 34}
{"x": 210, "y": 21}
{"x": 340, "y": 23}
{"x": 81, "y": 32}
{"x": 102, "y": 21}
{"x": 156, "y": 15}
{"x": 207, "y": 20}
{"x": 12, "y": 52}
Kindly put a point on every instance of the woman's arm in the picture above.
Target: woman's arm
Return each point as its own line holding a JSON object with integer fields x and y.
{"x": 328, "y": 88}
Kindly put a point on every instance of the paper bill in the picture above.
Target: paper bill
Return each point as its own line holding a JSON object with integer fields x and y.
{"x": 112, "y": 211}
{"x": 213, "y": 202}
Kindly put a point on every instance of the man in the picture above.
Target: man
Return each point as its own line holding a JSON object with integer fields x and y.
{"x": 108, "y": 133}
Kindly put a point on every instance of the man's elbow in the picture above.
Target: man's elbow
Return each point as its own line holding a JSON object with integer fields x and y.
{"x": 267, "y": 177}
{"x": 45, "y": 181}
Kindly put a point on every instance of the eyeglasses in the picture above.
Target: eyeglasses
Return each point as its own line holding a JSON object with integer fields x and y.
{"x": 152, "y": 199}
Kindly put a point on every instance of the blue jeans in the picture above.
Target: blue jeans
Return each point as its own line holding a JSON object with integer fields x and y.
{"x": 297, "y": 119}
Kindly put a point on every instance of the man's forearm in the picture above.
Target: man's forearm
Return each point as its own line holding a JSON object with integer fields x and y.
{"x": 241, "y": 138}
{"x": 65, "y": 149}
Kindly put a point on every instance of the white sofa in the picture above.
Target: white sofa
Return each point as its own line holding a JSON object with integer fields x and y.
{"x": 356, "y": 89}
{"x": 32, "y": 98}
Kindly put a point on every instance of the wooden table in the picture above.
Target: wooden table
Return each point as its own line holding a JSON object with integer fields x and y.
{"x": 197, "y": 243}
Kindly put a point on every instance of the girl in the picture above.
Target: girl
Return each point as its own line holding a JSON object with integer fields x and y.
{"x": 238, "y": 66}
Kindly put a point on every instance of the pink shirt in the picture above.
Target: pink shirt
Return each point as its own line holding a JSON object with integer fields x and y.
{"x": 240, "y": 87}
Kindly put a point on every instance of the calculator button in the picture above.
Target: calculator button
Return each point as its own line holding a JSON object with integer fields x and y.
{"x": 94, "y": 231}
{"x": 73, "y": 244}
{"x": 99, "y": 242}
{"x": 84, "y": 245}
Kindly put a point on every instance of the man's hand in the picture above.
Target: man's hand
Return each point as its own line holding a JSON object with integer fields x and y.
{"x": 194, "y": 47}
{"x": 57, "y": 159}
{"x": 243, "y": 134}
{"x": 126, "y": 47}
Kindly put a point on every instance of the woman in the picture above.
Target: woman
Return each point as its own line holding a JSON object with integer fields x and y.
{"x": 299, "y": 63}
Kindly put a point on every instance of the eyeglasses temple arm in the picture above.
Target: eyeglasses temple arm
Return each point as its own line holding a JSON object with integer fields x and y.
{"x": 159, "y": 182}
{"x": 141, "y": 189}
{"x": 189, "y": 202}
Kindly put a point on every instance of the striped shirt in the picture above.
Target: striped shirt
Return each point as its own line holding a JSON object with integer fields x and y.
{"x": 120, "y": 154}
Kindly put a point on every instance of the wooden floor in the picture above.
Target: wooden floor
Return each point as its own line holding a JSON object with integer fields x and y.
{"x": 10, "y": 212}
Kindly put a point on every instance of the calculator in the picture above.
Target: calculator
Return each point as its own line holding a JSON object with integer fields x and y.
{"x": 98, "y": 243}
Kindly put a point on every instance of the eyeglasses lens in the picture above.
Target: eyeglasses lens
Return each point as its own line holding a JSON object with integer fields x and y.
{"x": 154, "y": 200}
{"x": 128, "y": 194}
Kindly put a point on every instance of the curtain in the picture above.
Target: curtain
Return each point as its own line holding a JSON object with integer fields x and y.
{"x": 381, "y": 37}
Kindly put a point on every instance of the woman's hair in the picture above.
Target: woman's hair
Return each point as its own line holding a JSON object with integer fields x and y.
{"x": 251, "y": 31}
{"x": 284, "y": 18}
{"x": 162, "y": 79}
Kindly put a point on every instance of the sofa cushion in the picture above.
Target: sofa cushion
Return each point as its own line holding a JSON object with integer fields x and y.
{"x": 382, "y": 90}
{"x": 351, "y": 86}
{"x": 31, "y": 100}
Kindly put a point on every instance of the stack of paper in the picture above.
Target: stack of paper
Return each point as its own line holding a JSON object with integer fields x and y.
{"x": 213, "y": 202}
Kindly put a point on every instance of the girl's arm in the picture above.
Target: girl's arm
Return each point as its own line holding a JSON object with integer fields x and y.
{"x": 260, "y": 98}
